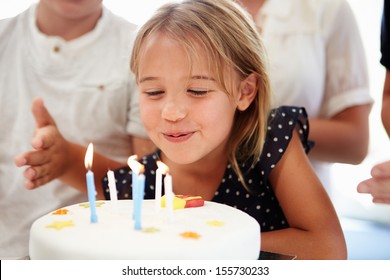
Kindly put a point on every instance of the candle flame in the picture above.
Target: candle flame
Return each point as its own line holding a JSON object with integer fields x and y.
{"x": 163, "y": 167}
{"x": 89, "y": 156}
{"x": 134, "y": 165}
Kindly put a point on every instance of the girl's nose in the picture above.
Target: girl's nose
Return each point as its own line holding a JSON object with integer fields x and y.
{"x": 173, "y": 110}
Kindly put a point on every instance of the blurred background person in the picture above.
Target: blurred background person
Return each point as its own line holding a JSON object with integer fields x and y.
{"x": 317, "y": 61}
{"x": 75, "y": 55}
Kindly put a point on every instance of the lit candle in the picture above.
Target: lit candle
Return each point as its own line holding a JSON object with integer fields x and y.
{"x": 162, "y": 169}
{"x": 112, "y": 185}
{"x": 90, "y": 183}
{"x": 169, "y": 195}
{"x": 138, "y": 185}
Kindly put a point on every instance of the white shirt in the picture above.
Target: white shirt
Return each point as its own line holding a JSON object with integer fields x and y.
{"x": 316, "y": 58}
{"x": 87, "y": 87}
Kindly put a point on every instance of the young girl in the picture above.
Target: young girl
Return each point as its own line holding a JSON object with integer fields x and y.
{"x": 204, "y": 99}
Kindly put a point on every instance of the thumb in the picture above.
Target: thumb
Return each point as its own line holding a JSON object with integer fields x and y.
{"x": 41, "y": 114}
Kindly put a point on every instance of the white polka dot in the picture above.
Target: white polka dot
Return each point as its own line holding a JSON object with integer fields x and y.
{"x": 280, "y": 126}
{"x": 280, "y": 150}
{"x": 286, "y": 137}
{"x": 272, "y": 165}
{"x": 267, "y": 210}
{"x": 247, "y": 195}
{"x": 237, "y": 193}
{"x": 275, "y": 139}
{"x": 258, "y": 207}
{"x": 269, "y": 155}
{"x": 124, "y": 182}
{"x": 227, "y": 190}
{"x": 250, "y": 181}
{"x": 290, "y": 122}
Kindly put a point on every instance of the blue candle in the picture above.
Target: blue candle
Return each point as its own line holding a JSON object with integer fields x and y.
{"x": 91, "y": 195}
{"x": 139, "y": 196}
{"x": 138, "y": 188}
{"x": 90, "y": 183}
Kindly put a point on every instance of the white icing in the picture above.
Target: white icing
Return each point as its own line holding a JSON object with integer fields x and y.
{"x": 114, "y": 236}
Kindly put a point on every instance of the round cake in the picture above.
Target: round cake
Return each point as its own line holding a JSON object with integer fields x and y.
{"x": 212, "y": 231}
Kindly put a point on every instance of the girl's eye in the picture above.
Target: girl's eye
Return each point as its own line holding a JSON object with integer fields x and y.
{"x": 197, "y": 92}
{"x": 154, "y": 93}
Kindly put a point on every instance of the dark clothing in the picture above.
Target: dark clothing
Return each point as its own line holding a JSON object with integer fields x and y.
{"x": 385, "y": 35}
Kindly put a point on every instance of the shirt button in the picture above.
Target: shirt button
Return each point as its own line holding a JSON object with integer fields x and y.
{"x": 56, "y": 49}
{"x": 101, "y": 87}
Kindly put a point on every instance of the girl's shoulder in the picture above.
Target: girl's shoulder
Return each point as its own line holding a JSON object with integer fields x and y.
{"x": 282, "y": 122}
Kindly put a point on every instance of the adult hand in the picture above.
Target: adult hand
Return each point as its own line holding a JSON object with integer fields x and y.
{"x": 48, "y": 159}
{"x": 379, "y": 185}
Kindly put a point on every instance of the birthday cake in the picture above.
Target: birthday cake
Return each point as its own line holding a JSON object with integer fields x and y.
{"x": 210, "y": 231}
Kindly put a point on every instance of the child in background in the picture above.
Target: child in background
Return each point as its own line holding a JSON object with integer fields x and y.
{"x": 204, "y": 100}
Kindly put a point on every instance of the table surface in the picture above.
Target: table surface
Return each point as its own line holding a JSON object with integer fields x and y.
{"x": 264, "y": 255}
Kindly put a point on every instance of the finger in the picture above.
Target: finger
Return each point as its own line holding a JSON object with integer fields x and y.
{"x": 37, "y": 172}
{"x": 381, "y": 170}
{"x": 381, "y": 200}
{"x": 44, "y": 137}
{"x": 33, "y": 184}
{"x": 33, "y": 158}
{"x": 363, "y": 187}
{"x": 41, "y": 114}
{"x": 20, "y": 160}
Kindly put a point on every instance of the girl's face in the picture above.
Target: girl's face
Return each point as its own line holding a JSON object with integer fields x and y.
{"x": 187, "y": 115}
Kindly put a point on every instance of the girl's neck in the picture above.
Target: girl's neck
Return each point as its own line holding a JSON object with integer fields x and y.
{"x": 201, "y": 178}
{"x": 53, "y": 24}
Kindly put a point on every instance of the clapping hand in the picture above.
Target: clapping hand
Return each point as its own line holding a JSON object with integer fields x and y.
{"x": 47, "y": 160}
{"x": 379, "y": 185}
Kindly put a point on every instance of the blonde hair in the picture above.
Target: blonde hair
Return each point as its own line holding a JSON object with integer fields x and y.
{"x": 229, "y": 36}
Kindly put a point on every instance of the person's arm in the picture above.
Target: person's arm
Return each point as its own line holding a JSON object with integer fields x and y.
{"x": 341, "y": 132}
{"x": 379, "y": 185}
{"x": 342, "y": 138}
{"x": 315, "y": 231}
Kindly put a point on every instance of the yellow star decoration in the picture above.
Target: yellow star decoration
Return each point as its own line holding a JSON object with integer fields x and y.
{"x": 61, "y": 224}
{"x": 150, "y": 230}
{"x": 62, "y": 211}
{"x": 86, "y": 205}
{"x": 215, "y": 223}
{"x": 190, "y": 234}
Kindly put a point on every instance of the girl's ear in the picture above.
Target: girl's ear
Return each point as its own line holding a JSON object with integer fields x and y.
{"x": 248, "y": 92}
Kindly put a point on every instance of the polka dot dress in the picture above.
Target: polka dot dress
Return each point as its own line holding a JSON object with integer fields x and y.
{"x": 260, "y": 201}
